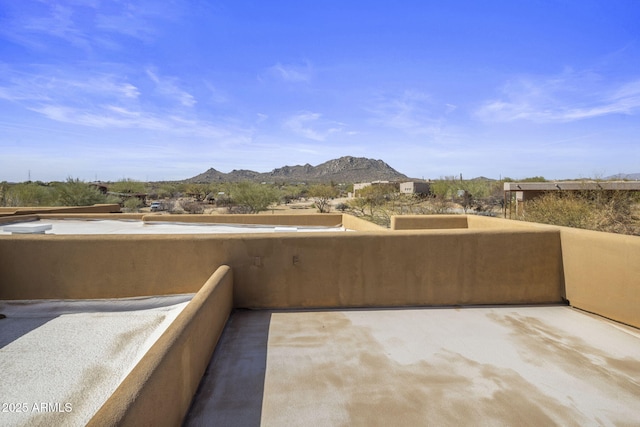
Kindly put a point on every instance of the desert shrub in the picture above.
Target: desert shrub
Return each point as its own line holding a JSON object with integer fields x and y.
{"x": 322, "y": 195}
{"x": 358, "y": 206}
{"x": 29, "y": 194}
{"x": 556, "y": 209}
{"x": 435, "y": 206}
{"x": 609, "y": 211}
{"x": 192, "y": 207}
{"x": 168, "y": 190}
{"x": 253, "y": 197}
{"x": 128, "y": 185}
{"x": 75, "y": 192}
{"x": 342, "y": 207}
{"x": 113, "y": 199}
{"x": 132, "y": 204}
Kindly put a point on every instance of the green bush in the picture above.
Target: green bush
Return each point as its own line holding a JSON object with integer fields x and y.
{"x": 132, "y": 204}
{"x": 252, "y": 197}
{"x": 29, "y": 194}
{"x": 78, "y": 193}
{"x": 128, "y": 185}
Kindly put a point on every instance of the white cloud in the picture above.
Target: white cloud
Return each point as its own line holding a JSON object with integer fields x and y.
{"x": 53, "y": 85}
{"x": 115, "y": 117}
{"x": 564, "y": 98}
{"x": 412, "y": 112}
{"x": 104, "y": 101}
{"x": 86, "y": 24}
{"x": 216, "y": 95}
{"x": 311, "y": 126}
{"x": 169, "y": 87}
{"x": 292, "y": 73}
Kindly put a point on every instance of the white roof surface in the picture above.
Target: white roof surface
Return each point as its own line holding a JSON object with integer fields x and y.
{"x": 77, "y": 226}
{"x": 61, "y": 360}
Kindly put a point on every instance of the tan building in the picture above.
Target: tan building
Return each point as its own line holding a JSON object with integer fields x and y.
{"x": 415, "y": 187}
{"x": 361, "y": 185}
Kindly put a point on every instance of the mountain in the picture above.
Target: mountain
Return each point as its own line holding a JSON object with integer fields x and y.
{"x": 345, "y": 169}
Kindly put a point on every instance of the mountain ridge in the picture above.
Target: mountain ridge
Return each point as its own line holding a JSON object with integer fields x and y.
{"x": 346, "y": 169}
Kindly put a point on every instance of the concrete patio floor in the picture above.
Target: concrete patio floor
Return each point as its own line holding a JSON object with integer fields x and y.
{"x": 533, "y": 365}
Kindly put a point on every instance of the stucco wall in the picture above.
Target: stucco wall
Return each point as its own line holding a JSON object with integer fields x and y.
{"x": 602, "y": 273}
{"x": 601, "y": 270}
{"x": 356, "y": 269}
{"x": 478, "y": 222}
{"x": 159, "y": 389}
{"x": 402, "y": 268}
{"x": 428, "y": 222}
{"x": 354, "y": 223}
{"x": 324, "y": 220}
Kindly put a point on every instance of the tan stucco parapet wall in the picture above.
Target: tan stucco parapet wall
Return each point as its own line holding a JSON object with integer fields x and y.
{"x": 601, "y": 271}
{"x": 159, "y": 389}
{"x": 320, "y": 220}
{"x": 428, "y": 222}
{"x": 598, "y": 272}
{"x": 354, "y": 223}
{"x": 294, "y": 270}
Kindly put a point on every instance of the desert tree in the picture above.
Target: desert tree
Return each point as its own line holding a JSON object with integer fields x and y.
{"x": 75, "y": 192}
{"x": 128, "y": 186}
{"x": 251, "y": 197}
{"x": 322, "y": 194}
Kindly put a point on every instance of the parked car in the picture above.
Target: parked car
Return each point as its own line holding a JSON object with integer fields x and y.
{"x": 156, "y": 206}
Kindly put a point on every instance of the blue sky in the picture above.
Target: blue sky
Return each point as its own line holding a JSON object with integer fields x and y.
{"x": 163, "y": 90}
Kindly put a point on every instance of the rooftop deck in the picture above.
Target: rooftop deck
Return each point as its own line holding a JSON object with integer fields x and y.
{"x": 329, "y": 339}
{"x": 537, "y": 365}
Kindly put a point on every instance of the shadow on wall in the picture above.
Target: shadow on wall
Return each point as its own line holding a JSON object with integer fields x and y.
{"x": 232, "y": 387}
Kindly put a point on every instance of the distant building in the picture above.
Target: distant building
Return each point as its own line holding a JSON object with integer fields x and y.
{"x": 359, "y": 186}
{"x": 415, "y": 187}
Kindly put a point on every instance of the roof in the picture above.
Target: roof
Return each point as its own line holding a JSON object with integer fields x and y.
{"x": 74, "y": 353}
{"x": 104, "y": 226}
{"x": 536, "y": 365}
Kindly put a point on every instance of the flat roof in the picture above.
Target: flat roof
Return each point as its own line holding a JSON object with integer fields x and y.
{"x": 529, "y": 365}
{"x": 110, "y": 226}
{"x": 60, "y": 360}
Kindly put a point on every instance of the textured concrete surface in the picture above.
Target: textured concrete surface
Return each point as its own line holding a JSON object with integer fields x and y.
{"x": 472, "y": 366}
{"x": 61, "y": 360}
{"x": 77, "y": 226}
